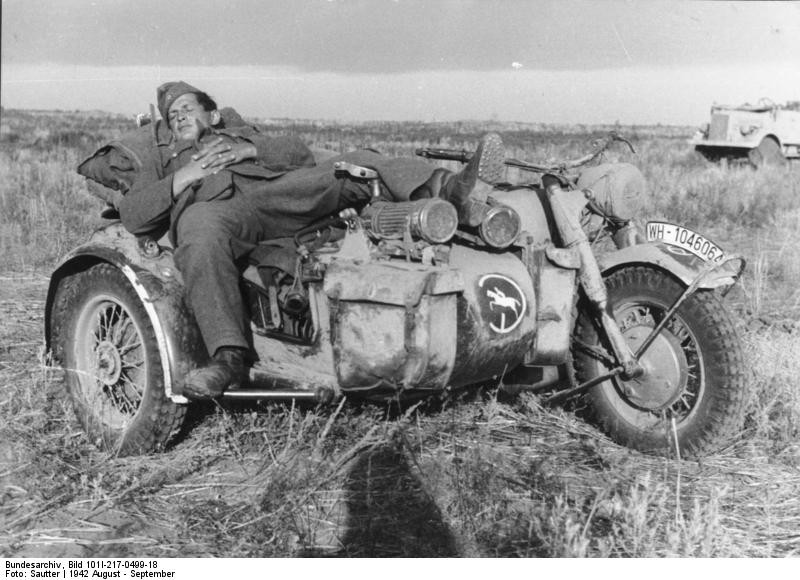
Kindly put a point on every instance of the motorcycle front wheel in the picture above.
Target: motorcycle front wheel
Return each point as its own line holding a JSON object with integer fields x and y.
{"x": 104, "y": 340}
{"x": 691, "y": 397}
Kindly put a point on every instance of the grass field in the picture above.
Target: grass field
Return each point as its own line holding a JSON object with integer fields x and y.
{"x": 479, "y": 477}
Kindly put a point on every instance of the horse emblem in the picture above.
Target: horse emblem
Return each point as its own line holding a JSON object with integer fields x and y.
{"x": 500, "y": 300}
{"x": 504, "y": 300}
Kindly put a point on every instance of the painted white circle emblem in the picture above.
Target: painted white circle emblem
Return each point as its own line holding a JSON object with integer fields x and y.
{"x": 502, "y": 302}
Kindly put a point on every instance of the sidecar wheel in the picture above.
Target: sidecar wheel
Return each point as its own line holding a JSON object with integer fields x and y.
{"x": 694, "y": 370}
{"x": 103, "y": 338}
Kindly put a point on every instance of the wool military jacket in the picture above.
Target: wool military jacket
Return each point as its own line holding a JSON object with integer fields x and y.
{"x": 142, "y": 165}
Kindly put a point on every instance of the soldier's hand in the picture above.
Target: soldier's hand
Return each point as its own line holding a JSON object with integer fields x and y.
{"x": 218, "y": 154}
{"x": 190, "y": 173}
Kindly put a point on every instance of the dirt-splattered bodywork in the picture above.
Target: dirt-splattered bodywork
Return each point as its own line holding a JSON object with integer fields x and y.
{"x": 151, "y": 272}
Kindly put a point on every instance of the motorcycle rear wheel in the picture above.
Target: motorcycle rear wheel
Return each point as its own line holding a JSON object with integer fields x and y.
{"x": 103, "y": 338}
{"x": 691, "y": 397}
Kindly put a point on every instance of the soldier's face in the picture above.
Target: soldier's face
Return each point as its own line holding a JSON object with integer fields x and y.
{"x": 187, "y": 118}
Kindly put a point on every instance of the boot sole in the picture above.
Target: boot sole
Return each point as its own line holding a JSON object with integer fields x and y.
{"x": 491, "y": 168}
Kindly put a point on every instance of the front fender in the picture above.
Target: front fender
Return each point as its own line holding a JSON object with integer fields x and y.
{"x": 685, "y": 267}
{"x": 160, "y": 289}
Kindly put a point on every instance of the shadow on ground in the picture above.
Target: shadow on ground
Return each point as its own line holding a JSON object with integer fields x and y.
{"x": 389, "y": 514}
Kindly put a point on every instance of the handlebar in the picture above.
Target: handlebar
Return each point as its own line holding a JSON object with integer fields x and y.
{"x": 464, "y": 156}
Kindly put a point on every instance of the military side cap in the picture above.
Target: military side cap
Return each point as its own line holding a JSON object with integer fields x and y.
{"x": 168, "y": 92}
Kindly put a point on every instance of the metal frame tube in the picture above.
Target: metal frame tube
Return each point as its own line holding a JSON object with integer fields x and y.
{"x": 272, "y": 394}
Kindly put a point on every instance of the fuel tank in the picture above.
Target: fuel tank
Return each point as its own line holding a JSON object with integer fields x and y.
{"x": 495, "y": 314}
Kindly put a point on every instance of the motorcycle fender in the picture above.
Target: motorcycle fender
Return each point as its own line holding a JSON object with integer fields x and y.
{"x": 179, "y": 342}
{"x": 685, "y": 267}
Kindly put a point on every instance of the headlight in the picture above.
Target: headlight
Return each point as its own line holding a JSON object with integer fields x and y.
{"x": 500, "y": 227}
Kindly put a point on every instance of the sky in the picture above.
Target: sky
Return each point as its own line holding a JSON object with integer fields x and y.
{"x": 548, "y": 61}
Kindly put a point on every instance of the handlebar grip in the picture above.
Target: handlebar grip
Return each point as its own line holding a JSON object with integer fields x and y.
{"x": 447, "y": 154}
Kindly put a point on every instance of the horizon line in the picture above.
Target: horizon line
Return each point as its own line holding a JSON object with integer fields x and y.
{"x": 258, "y": 119}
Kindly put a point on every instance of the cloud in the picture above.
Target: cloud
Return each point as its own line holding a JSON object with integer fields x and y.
{"x": 387, "y": 36}
{"x": 550, "y": 60}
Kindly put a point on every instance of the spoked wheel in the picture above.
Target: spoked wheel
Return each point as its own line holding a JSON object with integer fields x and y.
{"x": 104, "y": 339}
{"x": 110, "y": 357}
{"x": 692, "y": 390}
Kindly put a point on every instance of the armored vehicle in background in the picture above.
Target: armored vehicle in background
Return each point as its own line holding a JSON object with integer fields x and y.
{"x": 763, "y": 134}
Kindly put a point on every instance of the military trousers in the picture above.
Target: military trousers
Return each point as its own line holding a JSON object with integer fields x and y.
{"x": 213, "y": 238}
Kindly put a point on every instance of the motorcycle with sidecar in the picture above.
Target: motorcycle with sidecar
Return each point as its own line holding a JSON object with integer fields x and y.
{"x": 399, "y": 301}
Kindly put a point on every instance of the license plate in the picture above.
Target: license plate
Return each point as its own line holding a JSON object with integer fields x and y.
{"x": 685, "y": 239}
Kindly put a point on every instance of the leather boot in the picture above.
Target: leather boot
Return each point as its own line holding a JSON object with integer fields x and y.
{"x": 226, "y": 369}
{"x": 467, "y": 189}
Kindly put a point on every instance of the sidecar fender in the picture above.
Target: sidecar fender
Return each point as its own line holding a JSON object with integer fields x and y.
{"x": 685, "y": 267}
{"x": 160, "y": 290}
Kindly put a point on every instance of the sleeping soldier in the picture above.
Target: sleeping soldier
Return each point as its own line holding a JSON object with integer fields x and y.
{"x": 222, "y": 187}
